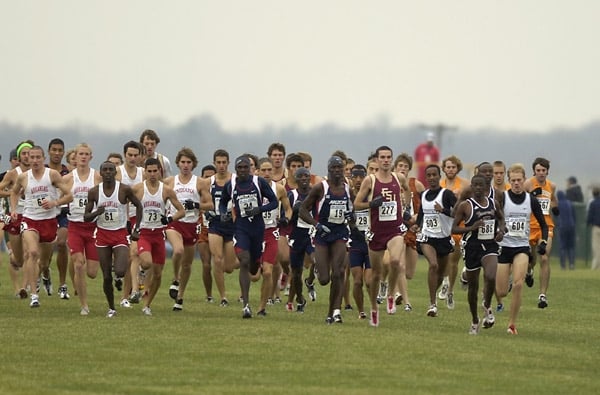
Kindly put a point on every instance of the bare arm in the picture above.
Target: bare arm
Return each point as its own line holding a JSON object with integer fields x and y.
{"x": 92, "y": 200}
{"x": 363, "y": 192}
{"x": 285, "y": 201}
{"x": 169, "y": 194}
{"x": 314, "y": 196}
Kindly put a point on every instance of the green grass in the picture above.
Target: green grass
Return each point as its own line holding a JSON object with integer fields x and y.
{"x": 209, "y": 349}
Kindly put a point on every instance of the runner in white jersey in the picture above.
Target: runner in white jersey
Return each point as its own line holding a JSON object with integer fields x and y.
{"x": 107, "y": 202}
{"x": 40, "y": 186}
{"x": 193, "y": 193}
{"x": 80, "y": 238}
{"x": 14, "y": 227}
{"x": 514, "y": 257}
{"x": 435, "y": 224}
{"x": 129, "y": 173}
{"x": 154, "y": 195}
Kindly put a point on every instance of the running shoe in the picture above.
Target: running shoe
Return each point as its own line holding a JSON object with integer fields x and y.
{"x": 111, "y": 313}
{"x": 443, "y": 294}
{"x": 210, "y": 299}
{"x": 84, "y": 311}
{"x": 499, "y": 307}
{"x": 262, "y": 313}
{"x": 22, "y": 293}
{"x": 246, "y": 312}
{"x": 432, "y": 311}
{"x": 35, "y": 301}
{"x": 391, "y": 305}
{"x": 277, "y": 299}
{"x": 135, "y": 297}
{"x": 398, "y": 298}
{"x": 147, "y": 311}
{"x": 286, "y": 291}
{"x": 270, "y": 302}
{"x": 475, "y": 328}
{"x": 329, "y": 320}
{"x": 224, "y": 302}
{"x": 450, "y": 301}
{"x": 178, "y": 306}
{"x": 174, "y": 289}
{"x": 312, "y": 293}
{"x": 125, "y": 303}
{"x": 348, "y": 307}
{"x": 488, "y": 317}
{"x": 542, "y": 301}
{"x": 337, "y": 316}
{"x": 383, "y": 290}
{"x": 407, "y": 308}
{"x": 63, "y": 292}
{"x": 362, "y": 315}
{"x": 512, "y": 330}
{"x": 529, "y": 278}
{"x": 300, "y": 307}
{"x": 374, "y": 320}
{"x": 289, "y": 306}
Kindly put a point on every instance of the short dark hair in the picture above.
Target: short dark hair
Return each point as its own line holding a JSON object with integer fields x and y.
{"x": 545, "y": 163}
{"x": 276, "y": 146}
{"x": 151, "y": 134}
{"x": 56, "y": 141}
{"x": 132, "y": 144}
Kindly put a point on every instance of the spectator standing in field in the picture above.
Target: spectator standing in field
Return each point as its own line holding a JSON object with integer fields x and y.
{"x": 593, "y": 220}
{"x": 566, "y": 231}
{"x": 426, "y": 154}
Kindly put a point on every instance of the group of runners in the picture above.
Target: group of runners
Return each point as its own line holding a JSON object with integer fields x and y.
{"x": 361, "y": 226}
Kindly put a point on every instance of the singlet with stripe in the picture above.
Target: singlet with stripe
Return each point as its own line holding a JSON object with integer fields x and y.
{"x": 332, "y": 208}
{"x": 389, "y": 214}
{"x": 188, "y": 191}
{"x": 36, "y": 192}
{"x": 153, "y": 207}
{"x": 517, "y": 217}
{"x": 115, "y": 213}
{"x": 487, "y": 232}
{"x": 295, "y": 196}
{"x": 216, "y": 191}
{"x": 80, "y": 191}
{"x": 435, "y": 225}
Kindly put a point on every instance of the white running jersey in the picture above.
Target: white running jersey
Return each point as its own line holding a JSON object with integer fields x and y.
{"x": 188, "y": 191}
{"x": 115, "y": 213}
{"x": 35, "y": 193}
{"x": 80, "y": 191}
{"x": 126, "y": 180}
{"x": 153, "y": 208}
{"x": 517, "y": 217}
{"x": 271, "y": 217}
{"x": 436, "y": 225}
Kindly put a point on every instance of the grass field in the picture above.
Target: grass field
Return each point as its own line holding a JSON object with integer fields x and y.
{"x": 206, "y": 349}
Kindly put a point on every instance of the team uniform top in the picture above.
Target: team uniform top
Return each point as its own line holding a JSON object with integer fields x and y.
{"x": 544, "y": 199}
{"x": 187, "y": 191}
{"x": 246, "y": 195}
{"x": 485, "y": 234}
{"x": 331, "y": 210}
{"x": 115, "y": 213}
{"x": 517, "y": 217}
{"x": 35, "y": 193}
{"x": 436, "y": 225}
{"x": 80, "y": 191}
{"x": 388, "y": 215}
{"x": 153, "y": 208}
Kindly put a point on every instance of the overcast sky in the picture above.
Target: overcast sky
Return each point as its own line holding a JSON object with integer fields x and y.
{"x": 527, "y": 64}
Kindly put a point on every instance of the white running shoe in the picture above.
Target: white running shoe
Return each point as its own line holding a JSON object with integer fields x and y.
{"x": 125, "y": 303}
{"x": 111, "y": 313}
{"x": 488, "y": 317}
{"x": 450, "y": 301}
{"x": 35, "y": 301}
{"x": 444, "y": 291}
{"x": 146, "y": 310}
{"x": 475, "y": 328}
{"x": 84, "y": 311}
{"x": 432, "y": 311}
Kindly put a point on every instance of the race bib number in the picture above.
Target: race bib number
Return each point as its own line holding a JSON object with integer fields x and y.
{"x": 516, "y": 227}
{"x": 336, "y": 213}
{"x": 153, "y": 219}
{"x": 362, "y": 220}
{"x": 486, "y": 232}
{"x": 421, "y": 238}
{"x": 545, "y": 204}
{"x": 247, "y": 203}
{"x": 431, "y": 222}
{"x": 78, "y": 206}
{"x": 110, "y": 215}
{"x": 388, "y": 211}
{"x": 269, "y": 217}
